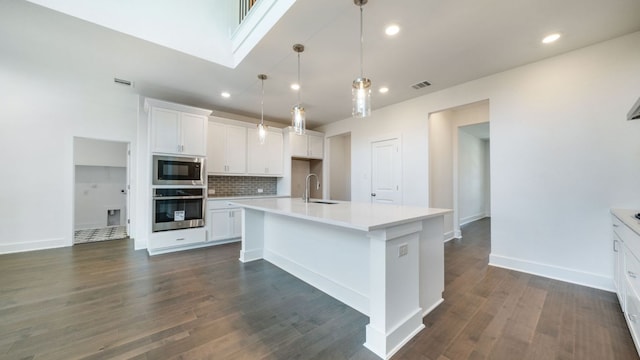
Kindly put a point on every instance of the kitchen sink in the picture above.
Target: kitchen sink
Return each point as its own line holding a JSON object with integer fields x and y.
{"x": 323, "y": 202}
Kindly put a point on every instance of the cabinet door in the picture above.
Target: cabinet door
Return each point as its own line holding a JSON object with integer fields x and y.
{"x": 165, "y": 131}
{"x": 218, "y": 224}
{"x": 216, "y": 144}
{"x": 257, "y": 154}
{"x": 193, "y": 129}
{"x": 316, "y": 146}
{"x": 298, "y": 145}
{"x": 236, "y": 149}
{"x": 235, "y": 226}
{"x": 275, "y": 154}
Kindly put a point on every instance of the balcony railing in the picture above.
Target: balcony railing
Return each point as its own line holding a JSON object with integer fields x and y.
{"x": 245, "y": 7}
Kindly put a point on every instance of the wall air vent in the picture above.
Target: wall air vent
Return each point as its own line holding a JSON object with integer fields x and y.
{"x": 123, "y": 82}
{"x": 421, "y": 85}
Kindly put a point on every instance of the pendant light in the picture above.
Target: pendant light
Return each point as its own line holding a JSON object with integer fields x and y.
{"x": 297, "y": 112}
{"x": 361, "y": 88}
{"x": 262, "y": 128}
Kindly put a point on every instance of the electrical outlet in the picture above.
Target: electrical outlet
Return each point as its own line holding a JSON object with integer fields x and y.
{"x": 403, "y": 250}
{"x": 260, "y": 191}
{"x": 212, "y": 191}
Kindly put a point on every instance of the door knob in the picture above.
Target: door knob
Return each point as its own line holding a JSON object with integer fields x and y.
{"x": 373, "y": 194}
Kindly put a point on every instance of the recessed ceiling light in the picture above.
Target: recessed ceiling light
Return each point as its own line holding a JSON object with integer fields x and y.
{"x": 383, "y": 90}
{"x": 295, "y": 86}
{"x": 550, "y": 38}
{"x": 392, "y": 30}
{"x": 225, "y": 95}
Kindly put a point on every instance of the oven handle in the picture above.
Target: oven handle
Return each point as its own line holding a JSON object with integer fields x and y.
{"x": 177, "y": 197}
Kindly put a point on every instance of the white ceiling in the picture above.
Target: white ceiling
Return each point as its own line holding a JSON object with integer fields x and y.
{"x": 444, "y": 42}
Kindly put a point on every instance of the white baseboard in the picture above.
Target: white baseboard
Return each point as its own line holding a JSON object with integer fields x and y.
{"x": 457, "y": 234}
{"x": 33, "y": 245}
{"x": 472, "y": 218}
{"x": 342, "y": 292}
{"x": 448, "y": 236}
{"x": 553, "y": 272}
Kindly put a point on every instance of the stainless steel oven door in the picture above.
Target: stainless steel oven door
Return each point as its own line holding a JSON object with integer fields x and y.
{"x": 178, "y": 209}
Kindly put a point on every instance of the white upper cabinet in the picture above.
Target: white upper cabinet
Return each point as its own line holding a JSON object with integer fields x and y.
{"x": 227, "y": 149}
{"x": 267, "y": 158}
{"x": 310, "y": 145}
{"x": 177, "y": 129}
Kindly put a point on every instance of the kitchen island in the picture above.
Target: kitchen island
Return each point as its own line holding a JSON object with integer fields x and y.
{"x": 386, "y": 261}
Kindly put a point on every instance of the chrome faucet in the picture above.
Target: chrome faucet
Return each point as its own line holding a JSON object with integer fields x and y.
{"x": 306, "y": 194}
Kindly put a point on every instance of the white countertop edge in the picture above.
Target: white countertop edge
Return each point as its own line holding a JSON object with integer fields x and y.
{"x": 627, "y": 218}
{"x": 344, "y": 224}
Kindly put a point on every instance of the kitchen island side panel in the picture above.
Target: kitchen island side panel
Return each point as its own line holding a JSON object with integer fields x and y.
{"x": 331, "y": 258}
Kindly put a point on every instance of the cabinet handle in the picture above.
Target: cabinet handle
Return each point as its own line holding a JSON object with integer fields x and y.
{"x": 179, "y": 239}
{"x": 182, "y": 148}
{"x": 633, "y": 318}
{"x": 615, "y": 245}
{"x": 632, "y": 274}
{"x": 616, "y": 225}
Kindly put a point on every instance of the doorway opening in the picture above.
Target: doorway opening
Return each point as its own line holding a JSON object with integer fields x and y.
{"x": 339, "y": 154}
{"x": 459, "y": 165}
{"x": 101, "y": 196}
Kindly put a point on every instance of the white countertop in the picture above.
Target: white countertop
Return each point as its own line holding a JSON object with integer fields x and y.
{"x": 627, "y": 218}
{"x": 358, "y": 216}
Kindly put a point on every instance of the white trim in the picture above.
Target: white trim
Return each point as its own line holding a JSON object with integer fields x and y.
{"x": 33, "y": 245}
{"x": 448, "y": 236}
{"x": 337, "y": 290}
{"x": 472, "y": 218}
{"x": 432, "y": 307}
{"x": 573, "y": 276}
{"x": 457, "y": 234}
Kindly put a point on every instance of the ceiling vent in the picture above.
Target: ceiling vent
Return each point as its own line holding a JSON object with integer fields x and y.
{"x": 421, "y": 85}
{"x": 123, "y": 82}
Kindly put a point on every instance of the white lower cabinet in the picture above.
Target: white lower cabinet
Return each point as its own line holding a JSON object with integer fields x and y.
{"x": 223, "y": 222}
{"x": 626, "y": 252}
{"x": 168, "y": 241}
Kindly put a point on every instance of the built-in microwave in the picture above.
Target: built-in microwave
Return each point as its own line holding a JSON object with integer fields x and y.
{"x": 174, "y": 170}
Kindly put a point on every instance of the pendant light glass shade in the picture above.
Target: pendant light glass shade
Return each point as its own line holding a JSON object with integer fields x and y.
{"x": 262, "y": 128}
{"x": 361, "y": 97}
{"x": 361, "y": 87}
{"x": 298, "y": 120}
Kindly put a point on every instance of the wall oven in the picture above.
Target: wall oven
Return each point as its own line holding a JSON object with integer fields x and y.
{"x": 173, "y": 170}
{"x": 176, "y": 208}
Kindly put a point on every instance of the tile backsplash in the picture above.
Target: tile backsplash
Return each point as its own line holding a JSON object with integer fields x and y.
{"x": 226, "y": 186}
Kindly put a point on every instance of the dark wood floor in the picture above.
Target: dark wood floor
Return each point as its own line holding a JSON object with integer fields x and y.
{"x": 105, "y": 301}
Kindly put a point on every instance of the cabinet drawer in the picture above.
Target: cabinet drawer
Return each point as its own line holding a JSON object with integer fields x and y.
{"x": 176, "y": 238}
{"x": 631, "y": 270}
{"x": 630, "y": 238}
{"x": 633, "y": 314}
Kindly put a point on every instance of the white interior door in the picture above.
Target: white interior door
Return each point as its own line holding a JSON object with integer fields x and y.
{"x": 386, "y": 172}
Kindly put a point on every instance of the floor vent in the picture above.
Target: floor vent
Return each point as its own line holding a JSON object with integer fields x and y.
{"x": 421, "y": 85}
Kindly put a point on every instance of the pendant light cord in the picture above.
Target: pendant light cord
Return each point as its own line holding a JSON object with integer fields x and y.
{"x": 299, "y": 86}
{"x": 361, "y": 46}
{"x": 262, "y": 104}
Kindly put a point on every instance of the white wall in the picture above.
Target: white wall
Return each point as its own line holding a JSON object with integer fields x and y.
{"x": 441, "y": 125}
{"x": 98, "y": 189}
{"x": 94, "y": 152}
{"x": 45, "y": 107}
{"x": 471, "y": 177}
{"x": 339, "y": 153}
{"x": 562, "y": 154}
